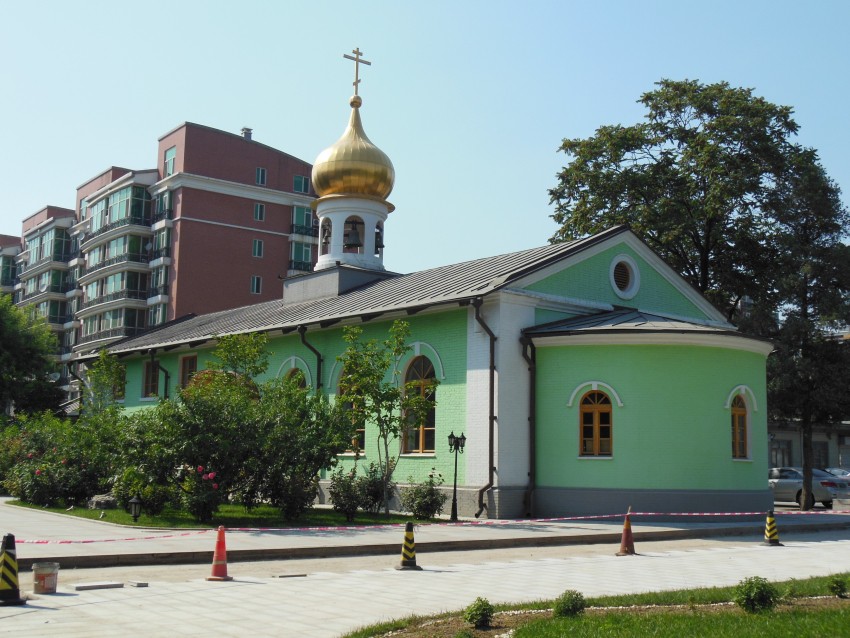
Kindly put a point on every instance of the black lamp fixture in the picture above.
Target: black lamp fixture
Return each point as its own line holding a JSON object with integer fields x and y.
{"x": 456, "y": 445}
{"x": 135, "y": 507}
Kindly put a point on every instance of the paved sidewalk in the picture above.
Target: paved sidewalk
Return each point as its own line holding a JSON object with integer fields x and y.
{"x": 323, "y": 604}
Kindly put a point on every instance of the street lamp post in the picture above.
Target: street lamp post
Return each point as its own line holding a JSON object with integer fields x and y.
{"x": 456, "y": 445}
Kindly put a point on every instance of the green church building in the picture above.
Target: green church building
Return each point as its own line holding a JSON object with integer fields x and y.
{"x": 587, "y": 376}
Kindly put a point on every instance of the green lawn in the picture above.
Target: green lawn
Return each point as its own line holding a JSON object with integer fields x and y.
{"x": 228, "y": 515}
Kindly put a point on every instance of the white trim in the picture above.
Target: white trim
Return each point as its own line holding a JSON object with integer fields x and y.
{"x": 658, "y": 339}
{"x": 207, "y": 221}
{"x": 594, "y": 385}
{"x": 294, "y": 362}
{"x": 261, "y": 194}
{"x": 559, "y": 303}
{"x": 634, "y": 276}
{"x": 743, "y": 391}
{"x": 417, "y": 351}
{"x": 644, "y": 252}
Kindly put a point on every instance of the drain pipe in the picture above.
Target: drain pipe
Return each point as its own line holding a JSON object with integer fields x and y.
{"x": 476, "y": 303}
{"x": 302, "y": 330}
{"x": 155, "y": 362}
{"x": 529, "y": 353}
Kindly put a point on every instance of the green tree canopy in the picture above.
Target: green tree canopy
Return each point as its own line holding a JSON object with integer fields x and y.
{"x": 26, "y": 363}
{"x": 691, "y": 180}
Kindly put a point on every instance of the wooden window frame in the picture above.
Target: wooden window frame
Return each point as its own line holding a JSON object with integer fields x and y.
{"x": 187, "y": 371}
{"x": 596, "y": 409}
{"x": 150, "y": 381}
{"x": 738, "y": 411}
{"x": 418, "y": 379}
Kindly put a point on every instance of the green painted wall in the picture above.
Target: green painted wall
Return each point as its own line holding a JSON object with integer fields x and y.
{"x": 672, "y": 431}
{"x": 444, "y": 332}
{"x": 589, "y": 279}
{"x": 542, "y": 315}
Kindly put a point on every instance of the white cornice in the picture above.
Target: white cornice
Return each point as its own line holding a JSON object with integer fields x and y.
{"x": 557, "y": 302}
{"x": 234, "y": 189}
{"x": 703, "y": 340}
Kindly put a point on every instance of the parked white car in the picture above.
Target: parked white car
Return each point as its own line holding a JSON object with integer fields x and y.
{"x": 842, "y": 472}
{"x": 787, "y": 485}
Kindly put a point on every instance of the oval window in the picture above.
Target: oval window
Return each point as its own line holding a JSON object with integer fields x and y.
{"x": 625, "y": 276}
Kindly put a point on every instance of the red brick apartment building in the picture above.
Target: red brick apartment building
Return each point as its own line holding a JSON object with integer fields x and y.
{"x": 216, "y": 225}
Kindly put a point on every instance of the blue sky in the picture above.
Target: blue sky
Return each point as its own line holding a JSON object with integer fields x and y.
{"x": 469, "y": 99}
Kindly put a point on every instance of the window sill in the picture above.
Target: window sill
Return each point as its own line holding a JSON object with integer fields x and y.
{"x": 595, "y": 458}
{"x": 148, "y": 399}
{"x": 742, "y": 460}
{"x": 351, "y": 455}
{"x": 419, "y": 455}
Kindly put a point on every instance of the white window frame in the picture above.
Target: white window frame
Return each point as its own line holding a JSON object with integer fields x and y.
{"x": 260, "y": 175}
{"x": 259, "y": 212}
{"x": 256, "y": 285}
{"x": 257, "y": 248}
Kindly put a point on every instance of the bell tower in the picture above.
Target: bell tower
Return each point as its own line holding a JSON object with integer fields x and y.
{"x": 353, "y": 179}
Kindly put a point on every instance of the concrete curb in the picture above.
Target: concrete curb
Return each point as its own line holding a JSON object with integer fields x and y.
{"x": 286, "y": 553}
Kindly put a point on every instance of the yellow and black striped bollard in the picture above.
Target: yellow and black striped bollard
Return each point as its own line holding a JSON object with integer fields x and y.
{"x": 408, "y": 549}
{"x": 10, "y": 592}
{"x": 771, "y": 533}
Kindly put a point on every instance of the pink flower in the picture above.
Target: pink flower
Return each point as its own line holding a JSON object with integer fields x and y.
{"x": 38, "y": 472}
{"x": 215, "y": 486}
{"x": 212, "y": 475}
{"x": 205, "y": 477}
{"x": 200, "y": 469}
{"x": 64, "y": 461}
{"x": 29, "y": 456}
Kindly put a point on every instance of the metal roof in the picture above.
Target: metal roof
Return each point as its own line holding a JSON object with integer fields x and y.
{"x": 444, "y": 285}
{"x": 620, "y": 321}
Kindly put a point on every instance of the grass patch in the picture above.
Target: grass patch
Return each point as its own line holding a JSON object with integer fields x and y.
{"x": 228, "y": 515}
{"x": 808, "y": 608}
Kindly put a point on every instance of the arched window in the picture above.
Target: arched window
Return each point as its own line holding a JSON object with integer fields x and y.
{"x": 420, "y": 379}
{"x": 739, "y": 428}
{"x": 298, "y": 375}
{"x": 358, "y": 441}
{"x": 596, "y": 438}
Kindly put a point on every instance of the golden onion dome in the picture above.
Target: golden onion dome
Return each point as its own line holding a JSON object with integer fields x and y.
{"x": 353, "y": 165}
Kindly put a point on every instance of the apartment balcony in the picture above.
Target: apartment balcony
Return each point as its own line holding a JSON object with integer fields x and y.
{"x": 160, "y": 257}
{"x": 308, "y": 231}
{"x": 137, "y": 225}
{"x": 115, "y": 264}
{"x": 53, "y": 262}
{"x": 115, "y": 296}
{"x": 300, "y": 266}
{"x": 158, "y": 295}
{"x": 114, "y": 333}
{"x": 55, "y": 291}
{"x": 162, "y": 219}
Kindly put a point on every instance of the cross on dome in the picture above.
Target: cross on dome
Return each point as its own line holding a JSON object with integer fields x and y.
{"x": 357, "y": 62}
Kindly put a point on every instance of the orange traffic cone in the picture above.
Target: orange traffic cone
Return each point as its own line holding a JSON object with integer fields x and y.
{"x": 627, "y": 544}
{"x": 219, "y": 564}
{"x": 10, "y": 591}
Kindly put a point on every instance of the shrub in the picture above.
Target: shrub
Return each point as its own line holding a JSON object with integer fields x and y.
{"x": 424, "y": 500}
{"x": 200, "y": 493}
{"x": 480, "y": 613}
{"x": 570, "y": 603}
{"x": 755, "y": 595}
{"x": 345, "y": 495}
{"x": 154, "y": 496}
{"x": 838, "y": 586}
{"x": 371, "y": 487}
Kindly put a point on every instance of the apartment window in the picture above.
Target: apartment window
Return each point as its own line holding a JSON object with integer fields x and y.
{"x": 188, "y": 367}
{"x": 150, "y": 383}
{"x": 420, "y": 379}
{"x": 257, "y": 249}
{"x": 596, "y": 426}
{"x": 168, "y": 167}
{"x": 256, "y": 284}
{"x": 259, "y": 212}
{"x": 739, "y": 428}
{"x": 302, "y": 184}
{"x": 261, "y": 176}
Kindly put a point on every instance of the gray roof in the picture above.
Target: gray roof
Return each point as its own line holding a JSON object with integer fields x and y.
{"x": 455, "y": 283}
{"x": 622, "y": 321}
